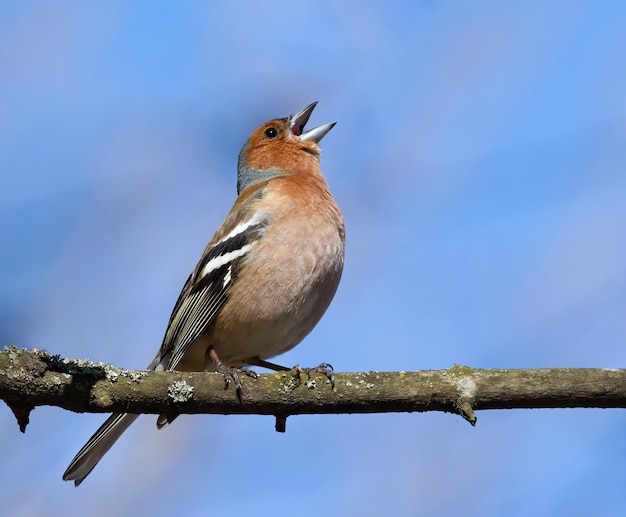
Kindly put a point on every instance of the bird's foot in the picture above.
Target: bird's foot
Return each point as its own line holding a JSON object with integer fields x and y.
{"x": 325, "y": 369}
{"x": 233, "y": 373}
{"x": 230, "y": 372}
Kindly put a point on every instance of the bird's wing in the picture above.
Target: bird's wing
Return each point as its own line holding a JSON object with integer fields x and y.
{"x": 206, "y": 291}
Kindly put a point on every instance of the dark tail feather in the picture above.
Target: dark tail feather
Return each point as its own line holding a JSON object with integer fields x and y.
{"x": 97, "y": 446}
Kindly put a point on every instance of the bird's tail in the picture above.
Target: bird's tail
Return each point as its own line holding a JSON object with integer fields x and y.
{"x": 97, "y": 446}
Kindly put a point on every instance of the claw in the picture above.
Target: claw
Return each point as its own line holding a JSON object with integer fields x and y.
{"x": 230, "y": 372}
{"x": 325, "y": 369}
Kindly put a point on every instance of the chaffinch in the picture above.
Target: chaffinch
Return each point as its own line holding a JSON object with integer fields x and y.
{"x": 264, "y": 280}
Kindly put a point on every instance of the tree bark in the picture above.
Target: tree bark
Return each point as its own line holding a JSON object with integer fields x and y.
{"x": 30, "y": 378}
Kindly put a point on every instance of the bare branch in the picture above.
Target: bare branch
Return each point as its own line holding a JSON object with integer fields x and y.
{"x": 33, "y": 378}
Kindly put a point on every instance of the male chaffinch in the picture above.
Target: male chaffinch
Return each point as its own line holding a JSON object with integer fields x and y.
{"x": 264, "y": 280}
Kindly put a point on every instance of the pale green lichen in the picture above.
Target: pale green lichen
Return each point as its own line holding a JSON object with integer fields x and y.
{"x": 13, "y": 352}
{"x": 467, "y": 387}
{"x": 458, "y": 370}
{"x": 180, "y": 391}
{"x": 136, "y": 376}
{"x": 289, "y": 382}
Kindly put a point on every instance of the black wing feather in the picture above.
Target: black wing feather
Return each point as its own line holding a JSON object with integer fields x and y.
{"x": 204, "y": 295}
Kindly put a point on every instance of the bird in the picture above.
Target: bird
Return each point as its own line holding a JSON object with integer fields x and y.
{"x": 265, "y": 278}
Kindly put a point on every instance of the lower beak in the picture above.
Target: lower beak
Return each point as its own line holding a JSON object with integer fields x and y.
{"x": 299, "y": 120}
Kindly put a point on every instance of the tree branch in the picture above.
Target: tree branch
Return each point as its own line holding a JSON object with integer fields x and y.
{"x": 30, "y": 378}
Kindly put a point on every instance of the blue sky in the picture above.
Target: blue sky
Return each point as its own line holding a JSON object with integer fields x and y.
{"x": 478, "y": 158}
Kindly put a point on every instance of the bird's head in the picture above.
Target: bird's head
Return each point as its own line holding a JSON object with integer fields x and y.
{"x": 280, "y": 147}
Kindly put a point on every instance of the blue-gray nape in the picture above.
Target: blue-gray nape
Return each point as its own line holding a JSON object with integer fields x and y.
{"x": 247, "y": 176}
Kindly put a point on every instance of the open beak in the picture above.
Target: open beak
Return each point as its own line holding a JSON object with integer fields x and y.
{"x": 299, "y": 120}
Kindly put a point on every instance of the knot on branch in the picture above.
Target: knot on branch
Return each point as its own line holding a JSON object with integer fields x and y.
{"x": 464, "y": 402}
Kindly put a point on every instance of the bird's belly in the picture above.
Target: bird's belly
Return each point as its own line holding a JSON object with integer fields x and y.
{"x": 281, "y": 310}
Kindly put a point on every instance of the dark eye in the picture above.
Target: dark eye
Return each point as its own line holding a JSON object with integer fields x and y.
{"x": 271, "y": 132}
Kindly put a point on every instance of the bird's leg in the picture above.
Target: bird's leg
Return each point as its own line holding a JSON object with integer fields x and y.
{"x": 256, "y": 361}
{"x": 325, "y": 369}
{"x": 230, "y": 372}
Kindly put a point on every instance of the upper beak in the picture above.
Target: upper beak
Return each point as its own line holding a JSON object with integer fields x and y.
{"x": 299, "y": 120}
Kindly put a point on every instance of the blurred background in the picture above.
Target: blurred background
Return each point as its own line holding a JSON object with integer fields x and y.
{"x": 479, "y": 160}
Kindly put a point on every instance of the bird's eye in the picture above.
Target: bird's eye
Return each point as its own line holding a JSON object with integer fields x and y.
{"x": 271, "y": 132}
